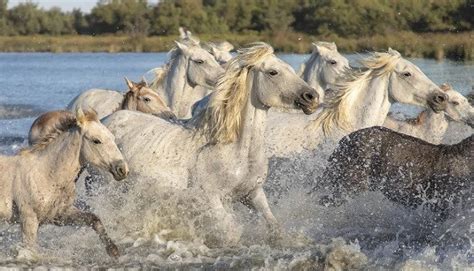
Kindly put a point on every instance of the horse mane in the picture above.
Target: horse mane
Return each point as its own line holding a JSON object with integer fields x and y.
{"x": 160, "y": 75}
{"x": 420, "y": 119}
{"x": 221, "y": 121}
{"x": 174, "y": 53}
{"x": 66, "y": 122}
{"x": 336, "y": 112}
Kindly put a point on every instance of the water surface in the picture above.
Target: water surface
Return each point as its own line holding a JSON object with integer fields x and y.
{"x": 388, "y": 235}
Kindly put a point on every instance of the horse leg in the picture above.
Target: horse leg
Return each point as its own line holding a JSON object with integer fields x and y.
{"x": 259, "y": 201}
{"x": 29, "y": 227}
{"x": 75, "y": 217}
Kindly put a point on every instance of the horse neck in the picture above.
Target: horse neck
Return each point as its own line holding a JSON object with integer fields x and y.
{"x": 129, "y": 102}
{"x": 62, "y": 156}
{"x": 251, "y": 138}
{"x": 369, "y": 105}
{"x": 177, "y": 86}
{"x": 312, "y": 71}
{"x": 434, "y": 126}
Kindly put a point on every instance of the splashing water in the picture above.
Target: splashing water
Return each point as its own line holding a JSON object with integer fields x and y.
{"x": 157, "y": 227}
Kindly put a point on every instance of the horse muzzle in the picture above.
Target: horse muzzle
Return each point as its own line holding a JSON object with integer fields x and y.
{"x": 308, "y": 101}
{"x": 438, "y": 102}
{"x": 119, "y": 170}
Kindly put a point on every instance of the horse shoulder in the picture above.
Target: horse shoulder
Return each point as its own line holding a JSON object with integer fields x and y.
{"x": 103, "y": 101}
{"x": 153, "y": 146}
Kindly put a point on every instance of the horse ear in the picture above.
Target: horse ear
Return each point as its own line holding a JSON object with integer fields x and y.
{"x": 315, "y": 47}
{"x": 393, "y": 52}
{"x": 80, "y": 117}
{"x": 144, "y": 82}
{"x": 445, "y": 87}
{"x": 214, "y": 51}
{"x": 183, "y": 47}
{"x": 182, "y": 33}
{"x": 129, "y": 83}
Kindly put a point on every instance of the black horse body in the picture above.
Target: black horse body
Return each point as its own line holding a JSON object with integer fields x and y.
{"x": 405, "y": 169}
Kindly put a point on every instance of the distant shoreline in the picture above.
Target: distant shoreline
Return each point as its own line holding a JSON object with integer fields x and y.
{"x": 456, "y": 46}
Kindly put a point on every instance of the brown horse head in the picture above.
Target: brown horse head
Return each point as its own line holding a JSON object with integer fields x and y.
{"x": 142, "y": 98}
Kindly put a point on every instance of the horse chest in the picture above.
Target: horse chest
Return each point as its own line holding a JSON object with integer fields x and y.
{"x": 229, "y": 174}
{"x": 53, "y": 199}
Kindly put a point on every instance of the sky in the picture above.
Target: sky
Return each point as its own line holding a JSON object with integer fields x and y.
{"x": 66, "y": 5}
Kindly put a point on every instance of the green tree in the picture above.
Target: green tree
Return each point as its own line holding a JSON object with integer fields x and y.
{"x": 79, "y": 23}
{"x": 55, "y": 22}
{"x": 120, "y": 16}
{"x": 4, "y": 29}
{"x": 25, "y": 18}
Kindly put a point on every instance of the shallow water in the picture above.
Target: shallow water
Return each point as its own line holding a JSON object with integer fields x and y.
{"x": 166, "y": 229}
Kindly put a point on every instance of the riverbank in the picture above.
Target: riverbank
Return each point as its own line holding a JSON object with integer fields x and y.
{"x": 456, "y": 46}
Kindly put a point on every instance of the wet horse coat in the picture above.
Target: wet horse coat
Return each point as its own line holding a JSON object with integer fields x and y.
{"x": 405, "y": 169}
{"x": 40, "y": 180}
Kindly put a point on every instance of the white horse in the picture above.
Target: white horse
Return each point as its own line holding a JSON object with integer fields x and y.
{"x": 138, "y": 97}
{"x": 40, "y": 181}
{"x": 320, "y": 71}
{"x": 324, "y": 67}
{"x": 431, "y": 126}
{"x": 221, "y": 151}
{"x": 361, "y": 100}
{"x": 221, "y": 51}
{"x": 189, "y": 74}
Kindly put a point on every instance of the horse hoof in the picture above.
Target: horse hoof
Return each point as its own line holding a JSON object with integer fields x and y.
{"x": 113, "y": 251}
{"x": 26, "y": 254}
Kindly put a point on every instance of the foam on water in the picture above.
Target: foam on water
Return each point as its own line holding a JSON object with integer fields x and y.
{"x": 157, "y": 227}
{"x": 19, "y": 111}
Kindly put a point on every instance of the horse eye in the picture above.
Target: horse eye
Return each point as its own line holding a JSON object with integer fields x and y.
{"x": 455, "y": 103}
{"x": 272, "y": 72}
{"x": 332, "y": 62}
{"x": 406, "y": 74}
{"x": 96, "y": 141}
{"x": 146, "y": 99}
{"x": 199, "y": 61}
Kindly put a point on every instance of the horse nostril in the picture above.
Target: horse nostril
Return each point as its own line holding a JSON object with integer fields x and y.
{"x": 440, "y": 98}
{"x": 121, "y": 171}
{"x": 307, "y": 96}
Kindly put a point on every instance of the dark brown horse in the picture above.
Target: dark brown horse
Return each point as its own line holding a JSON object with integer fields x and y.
{"x": 405, "y": 169}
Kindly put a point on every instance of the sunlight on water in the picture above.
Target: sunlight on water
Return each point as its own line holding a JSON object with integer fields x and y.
{"x": 155, "y": 227}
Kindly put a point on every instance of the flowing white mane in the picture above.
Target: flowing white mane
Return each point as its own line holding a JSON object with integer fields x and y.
{"x": 221, "y": 121}
{"x": 162, "y": 73}
{"x": 337, "y": 111}
{"x": 159, "y": 75}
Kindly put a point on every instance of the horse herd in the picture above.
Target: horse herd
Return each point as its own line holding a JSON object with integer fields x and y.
{"x": 205, "y": 122}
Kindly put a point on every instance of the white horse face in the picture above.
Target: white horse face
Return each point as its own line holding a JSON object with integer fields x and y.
{"x": 99, "y": 148}
{"x": 458, "y": 108}
{"x": 202, "y": 69}
{"x": 331, "y": 63}
{"x": 277, "y": 85}
{"x": 410, "y": 85}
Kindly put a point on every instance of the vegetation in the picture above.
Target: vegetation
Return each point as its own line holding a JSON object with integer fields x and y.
{"x": 441, "y": 28}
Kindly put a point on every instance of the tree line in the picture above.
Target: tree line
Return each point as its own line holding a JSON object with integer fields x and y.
{"x": 345, "y": 18}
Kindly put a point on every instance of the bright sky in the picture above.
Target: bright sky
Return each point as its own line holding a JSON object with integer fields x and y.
{"x": 66, "y": 5}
